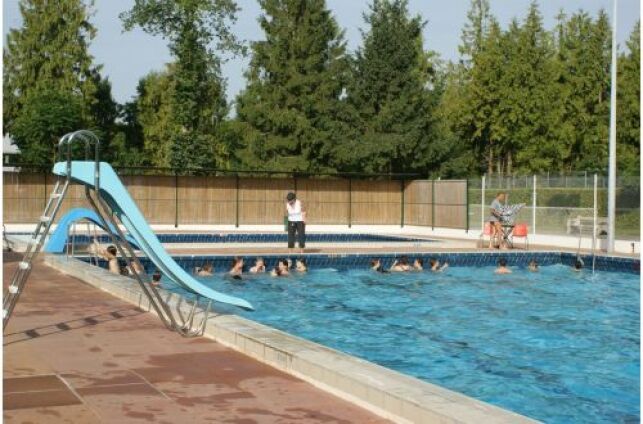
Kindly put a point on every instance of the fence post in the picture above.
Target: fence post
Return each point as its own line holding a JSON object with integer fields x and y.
{"x": 45, "y": 193}
{"x": 432, "y": 205}
{"x": 402, "y": 203}
{"x": 482, "y": 203}
{"x": 595, "y": 218}
{"x": 236, "y": 208}
{"x": 176, "y": 199}
{"x": 350, "y": 202}
{"x": 534, "y": 196}
{"x": 466, "y": 199}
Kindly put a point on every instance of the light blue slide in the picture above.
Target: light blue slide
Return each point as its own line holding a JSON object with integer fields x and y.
{"x": 57, "y": 241}
{"x": 117, "y": 197}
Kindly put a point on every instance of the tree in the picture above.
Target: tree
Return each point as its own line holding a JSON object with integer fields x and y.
{"x": 582, "y": 81}
{"x": 291, "y": 105}
{"x": 154, "y": 111}
{"x": 197, "y": 98}
{"x": 50, "y": 53}
{"x": 527, "y": 98}
{"x": 628, "y": 106}
{"x": 391, "y": 90}
{"x": 44, "y": 117}
{"x": 474, "y": 33}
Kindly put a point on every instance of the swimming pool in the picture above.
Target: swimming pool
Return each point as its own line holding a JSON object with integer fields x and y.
{"x": 557, "y": 346}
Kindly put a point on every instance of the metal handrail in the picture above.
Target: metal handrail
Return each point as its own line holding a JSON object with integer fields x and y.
{"x": 88, "y": 137}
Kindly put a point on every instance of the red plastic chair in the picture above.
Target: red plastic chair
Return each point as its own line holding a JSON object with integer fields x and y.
{"x": 522, "y": 231}
{"x": 486, "y": 231}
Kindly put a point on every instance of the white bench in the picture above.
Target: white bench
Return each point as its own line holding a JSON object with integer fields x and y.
{"x": 583, "y": 225}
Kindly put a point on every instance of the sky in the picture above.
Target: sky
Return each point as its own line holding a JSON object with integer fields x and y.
{"x": 128, "y": 56}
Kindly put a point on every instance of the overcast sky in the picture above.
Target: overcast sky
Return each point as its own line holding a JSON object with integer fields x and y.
{"x": 126, "y": 57}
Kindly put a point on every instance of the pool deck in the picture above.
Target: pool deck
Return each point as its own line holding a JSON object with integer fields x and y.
{"x": 73, "y": 353}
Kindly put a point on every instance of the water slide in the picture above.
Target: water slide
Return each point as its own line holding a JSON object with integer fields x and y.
{"x": 57, "y": 241}
{"x": 117, "y": 197}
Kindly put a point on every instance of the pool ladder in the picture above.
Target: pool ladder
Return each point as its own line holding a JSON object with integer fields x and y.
{"x": 184, "y": 325}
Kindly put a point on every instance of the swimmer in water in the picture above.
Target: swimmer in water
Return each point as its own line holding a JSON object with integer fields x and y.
{"x": 237, "y": 268}
{"x": 260, "y": 266}
{"x": 300, "y": 265}
{"x": 502, "y": 267}
{"x": 401, "y": 265}
{"x": 533, "y": 266}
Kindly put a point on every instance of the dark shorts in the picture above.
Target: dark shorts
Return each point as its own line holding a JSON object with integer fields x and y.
{"x": 299, "y": 228}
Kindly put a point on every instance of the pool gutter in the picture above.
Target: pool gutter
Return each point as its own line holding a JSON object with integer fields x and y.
{"x": 385, "y": 392}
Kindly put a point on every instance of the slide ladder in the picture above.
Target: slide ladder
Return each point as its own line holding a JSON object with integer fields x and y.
{"x": 36, "y": 242}
{"x": 113, "y": 215}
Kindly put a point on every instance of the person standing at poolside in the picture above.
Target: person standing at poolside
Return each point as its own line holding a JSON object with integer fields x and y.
{"x": 494, "y": 220}
{"x": 296, "y": 222}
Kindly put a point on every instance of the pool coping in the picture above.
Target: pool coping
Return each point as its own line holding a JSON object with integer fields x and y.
{"x": 385, "y": 392}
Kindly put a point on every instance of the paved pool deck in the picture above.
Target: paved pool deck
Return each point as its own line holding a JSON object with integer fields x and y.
{"x": 75, "y": 354}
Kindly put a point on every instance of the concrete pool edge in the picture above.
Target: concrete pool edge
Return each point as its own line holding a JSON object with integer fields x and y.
{"x": 380, "y": 390}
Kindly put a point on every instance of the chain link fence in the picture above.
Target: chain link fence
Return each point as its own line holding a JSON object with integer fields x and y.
{"x": 559, "y": 204}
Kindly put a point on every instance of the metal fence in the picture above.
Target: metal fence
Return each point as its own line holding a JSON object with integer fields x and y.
{"x": 554, "y": 204}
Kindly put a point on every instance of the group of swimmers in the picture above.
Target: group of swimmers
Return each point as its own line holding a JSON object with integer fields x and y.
{"x": 282, "y": 269}
{"x": 403, "y": 265}
{"x": 533, "y": 266}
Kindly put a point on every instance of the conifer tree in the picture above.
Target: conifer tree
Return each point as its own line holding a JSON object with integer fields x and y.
{"x": 291, "y": 107}
{"x": 390, "y": 92}
{"x": 48, "y": 58}
{"x": 582, "y": 82}
{"x": 628, "y": 107}
{"x": 528, "y": 96}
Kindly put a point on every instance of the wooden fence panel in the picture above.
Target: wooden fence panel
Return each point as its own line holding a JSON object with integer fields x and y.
{"x": 376, "y": 202}
{"x": 227, "y": 200}
{"x": 24, "y": 197}
{"x": 418, "y": 207}
{"x": 262, "y": 201}
{"x": 207, "y": 200}
{"x": 326, "y": 201}
{"x": 450, "y": 204}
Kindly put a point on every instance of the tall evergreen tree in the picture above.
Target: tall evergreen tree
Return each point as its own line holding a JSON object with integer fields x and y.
{"x": 198, "y": 91}
{"x": 291, "y": 107}
{"x": 474, "y": 33}
{"x": 582, "y": 83}
{"x": 391, "y": 92}
{"x": 527, "y": 96}
{"x": 49, "y": 57}
{"x": 628, "y": 108}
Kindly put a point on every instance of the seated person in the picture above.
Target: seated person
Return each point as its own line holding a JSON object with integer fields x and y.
{"x": 376, "y": 265}
{"x": 533, "y": 266}
{"x": 418, "y": 264}
{"x": 436, "y": 267}
{"x": 260, "y": 266}
{"x": 206, "y": 270}
{"x": 502, "y": 267}
{"x": 300, "y": 265}
{"x": 401, "y": 265}
{"x": 237, "y": 268}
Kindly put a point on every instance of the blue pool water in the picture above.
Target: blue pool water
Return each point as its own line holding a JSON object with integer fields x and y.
{"x": 558, "y": 346}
